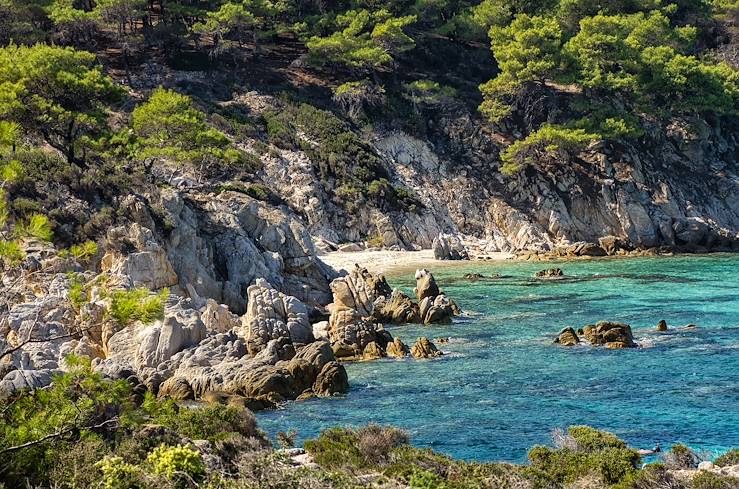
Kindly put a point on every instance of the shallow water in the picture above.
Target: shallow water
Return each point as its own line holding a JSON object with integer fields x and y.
{"x": 502, "y": 386}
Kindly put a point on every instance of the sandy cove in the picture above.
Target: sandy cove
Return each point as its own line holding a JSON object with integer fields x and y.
{"x": 395, "y": 262}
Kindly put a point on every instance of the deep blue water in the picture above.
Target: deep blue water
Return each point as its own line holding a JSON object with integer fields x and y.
{"x": 502, "y": 386}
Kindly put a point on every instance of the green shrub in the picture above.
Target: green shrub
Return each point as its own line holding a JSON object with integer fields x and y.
{"x": 37, "y": 226}
{"x": 355, "y": 448}
{"x": 84, "y": 251}
{"x": 174, "y": 461}
{"x": 711, "y": 480}
{"x": 729, "y": 458}
{"x": 118, "y": 474}
{"x": 589, "y": 439}
{"x": 595, "y": 453}
{"x": 681, "y": 457}
{"x": 211, "y": 422}
{"x": 137, "y": 305}
{"x": 541, "y": 144}
{"x": 77, "y": 291}
{"x": 11, "y": 253}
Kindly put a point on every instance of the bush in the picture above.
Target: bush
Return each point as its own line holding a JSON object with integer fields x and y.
{"x": 11, "y": 253}
{"x": 37, "y": 226}
{"x": 176, "y": 462}
{"x": 376, "y": 442}
{"x": 711, "y": 480}
{"x": 541, "y": 144}
{"x": 590, "y": 452}
{"x": 729, "y": 458}
{"x": 137, "y": 305}
{"x": 681, "y": 457}
{"x": 118, "y": 474}
{"x": 84, "y": 251}
{"x": 212, "y": 422}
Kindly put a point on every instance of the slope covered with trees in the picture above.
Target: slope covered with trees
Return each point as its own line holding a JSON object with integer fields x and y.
{"x": 540, "y": 81}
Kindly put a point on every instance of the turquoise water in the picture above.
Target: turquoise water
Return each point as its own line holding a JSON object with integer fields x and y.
{"x": 502, "y": 386}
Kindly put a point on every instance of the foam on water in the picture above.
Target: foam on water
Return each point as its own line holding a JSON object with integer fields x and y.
{"x": 502, "y": 387}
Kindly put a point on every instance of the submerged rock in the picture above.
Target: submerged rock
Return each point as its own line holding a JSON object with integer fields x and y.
{"x": 549, "y": 273}
{"x": 609, "y": 334}
{"x": 567, "y": 337}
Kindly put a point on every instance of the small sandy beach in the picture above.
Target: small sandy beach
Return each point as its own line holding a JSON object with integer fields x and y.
{"x": 388, "y": 262}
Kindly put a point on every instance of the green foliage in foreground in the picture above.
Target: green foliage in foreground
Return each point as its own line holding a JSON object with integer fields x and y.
{"x": 128, "y": 306}
{"x": 82, "y": 431}
{"x": 87, "y": 431}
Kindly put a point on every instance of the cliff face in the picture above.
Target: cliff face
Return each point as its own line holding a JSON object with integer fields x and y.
{"x": 678, "y": 187}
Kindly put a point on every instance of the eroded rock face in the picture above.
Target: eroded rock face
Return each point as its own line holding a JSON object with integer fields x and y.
{"x": 609, "y": 334}
{"x": 424, "y": 348}
{"x": 272, "y": 315}
{"x": 219, "y": 245}
{"x": 147, "y": 266}
{"x": 567, "y": 337}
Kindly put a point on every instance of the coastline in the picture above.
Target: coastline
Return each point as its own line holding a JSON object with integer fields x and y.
{"x": 395, "y": 262}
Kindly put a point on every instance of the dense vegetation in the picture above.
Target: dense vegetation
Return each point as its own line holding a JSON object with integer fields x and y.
{"x": 86, "y": 431}
{"x": 558, "y": 74}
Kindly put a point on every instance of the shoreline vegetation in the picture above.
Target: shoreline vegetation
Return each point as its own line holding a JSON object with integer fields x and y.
{"x": 116, "y": 437}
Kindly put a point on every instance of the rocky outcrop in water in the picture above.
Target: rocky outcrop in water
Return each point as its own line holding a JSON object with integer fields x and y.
{"x": 609, "y": 334}
{"x": 434, "y": 306}
{"x": 567, "y": 337}
{"x": 397, "y": 309}
{"x": 424, "y": 348}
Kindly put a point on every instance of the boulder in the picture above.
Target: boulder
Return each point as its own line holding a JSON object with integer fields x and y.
{"x": 350, "y": 248}
{"x": 176, "y": 388}
{"x": 609, "y": 334}
{"x": 448, "y": 247}
{"x": 549, "y": 273}
{"x": 397, "y": 349}
{"x": 567, "y": 337}
{"x": 331, "y": 380}
{"x": 612, "y": 245}
{"x": 662, "y": 325}
{"x": 424, "y": 348}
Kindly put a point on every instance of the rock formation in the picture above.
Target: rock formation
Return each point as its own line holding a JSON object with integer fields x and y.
{"x": 662, "y": 325}
{"x": 448, "y": 247}
{"x": 424, "y": 348}
{"x": 351, "y": 326}
{"x": 434, "y": 306}
{"x": 272, "y": 315}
